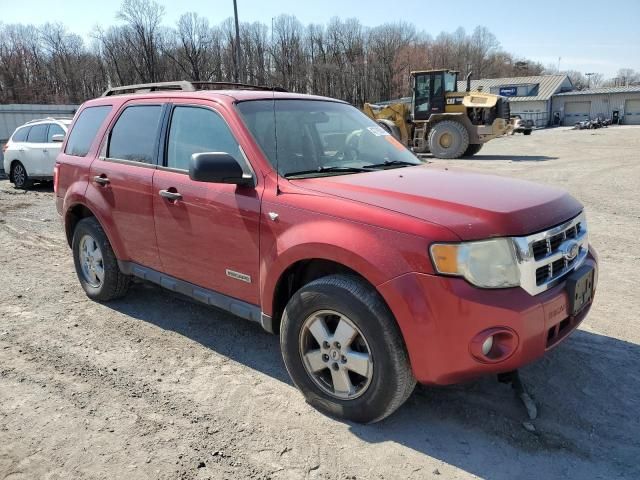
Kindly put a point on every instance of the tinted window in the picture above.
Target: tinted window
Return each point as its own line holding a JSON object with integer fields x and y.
{"x": 85, "y": 129}
{"x": 197, "y": 130}
{"x": 54, "y": 129}
{"x": 133, "y": 137}
{"x": 21, "y": 134}
{"x": 38, "y": 134}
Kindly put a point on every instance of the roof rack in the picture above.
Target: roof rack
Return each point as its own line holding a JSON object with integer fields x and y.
{"x": 35, "y": 120}
{"x": 185, "y": 86}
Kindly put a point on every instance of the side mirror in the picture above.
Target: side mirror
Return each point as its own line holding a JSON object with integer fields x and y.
{"x": 217, "y": 167}
{"x": 58, "y": 137}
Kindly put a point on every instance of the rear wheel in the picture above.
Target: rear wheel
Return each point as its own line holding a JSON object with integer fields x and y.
{"x": 527, "y": 132}
{"x": 96, "y": 264}
{"x": 472, "y": 149}
{"x": 344, "y": 351}
{"x": 448, "y": 139}
{"x": 19, "y": 176}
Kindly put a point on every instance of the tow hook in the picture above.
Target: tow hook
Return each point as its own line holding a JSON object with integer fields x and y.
{"x": 513, "y": 377}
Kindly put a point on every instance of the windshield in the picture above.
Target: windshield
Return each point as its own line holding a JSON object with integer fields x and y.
{"x": 327, "y": 138}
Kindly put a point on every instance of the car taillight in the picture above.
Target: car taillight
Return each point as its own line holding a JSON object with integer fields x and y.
{"x": 4, "y": 147}
{"x": 55, "y": 178}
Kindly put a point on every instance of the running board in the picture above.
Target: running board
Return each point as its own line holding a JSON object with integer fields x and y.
{"x": 232, "y": 305}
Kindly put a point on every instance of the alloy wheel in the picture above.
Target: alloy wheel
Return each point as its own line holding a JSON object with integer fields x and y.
{"x": 19, "y": 175}
{"x": 91, "y": 261}
{"x": 336, "y": 355}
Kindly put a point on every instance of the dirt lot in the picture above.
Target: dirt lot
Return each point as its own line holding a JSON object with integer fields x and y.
{"x": 155, "y": 386}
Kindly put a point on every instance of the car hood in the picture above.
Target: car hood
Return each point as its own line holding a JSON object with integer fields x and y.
{"x": 473, "y": 205}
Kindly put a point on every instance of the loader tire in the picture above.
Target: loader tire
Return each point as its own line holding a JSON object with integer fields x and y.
{"x": 448, "y": 139}
{"x": 472, "y": 149}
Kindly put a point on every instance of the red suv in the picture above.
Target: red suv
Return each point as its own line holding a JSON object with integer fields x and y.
{"x": 300, "y": 213}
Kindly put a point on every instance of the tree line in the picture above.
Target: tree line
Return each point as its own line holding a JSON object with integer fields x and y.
{"x": 342, "y": 59}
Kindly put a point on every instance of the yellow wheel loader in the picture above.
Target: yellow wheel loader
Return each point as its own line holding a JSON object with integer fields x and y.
{"x": 439, "y": 119}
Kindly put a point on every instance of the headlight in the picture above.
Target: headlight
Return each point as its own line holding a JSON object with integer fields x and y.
{"x": 486, "y": 263}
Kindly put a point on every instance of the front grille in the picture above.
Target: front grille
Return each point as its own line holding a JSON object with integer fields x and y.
{"x": 546, "y": 257}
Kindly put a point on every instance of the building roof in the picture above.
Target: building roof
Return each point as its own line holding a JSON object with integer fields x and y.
{"x": 604, "y": 90}
{"x": 548, "y": 85}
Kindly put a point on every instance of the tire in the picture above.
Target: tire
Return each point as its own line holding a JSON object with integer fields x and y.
{"x": 527, "y": 132}
{"x": 111, "y": 283}
{"x": 19, "y": 176}
{"x": 376, "y": 350}
{"x": 472, "y": 149}
{"x": 448, "y": 139}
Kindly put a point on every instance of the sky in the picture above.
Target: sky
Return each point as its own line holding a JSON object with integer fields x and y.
{"x": 589, "y": 36}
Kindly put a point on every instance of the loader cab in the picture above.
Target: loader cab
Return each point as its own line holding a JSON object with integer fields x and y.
{"x": 429, "y": 91}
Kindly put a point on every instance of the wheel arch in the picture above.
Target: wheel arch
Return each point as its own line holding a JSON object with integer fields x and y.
{"x": 300, "y": 273}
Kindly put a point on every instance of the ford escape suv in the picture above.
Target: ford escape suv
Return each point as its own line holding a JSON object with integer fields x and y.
{"x": 300, "y": 213}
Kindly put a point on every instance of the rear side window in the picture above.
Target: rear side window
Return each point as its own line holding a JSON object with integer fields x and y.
{"x": 135, "y": 134}
{"x": 85, "y": 129}
{"x": 54, "y": 129}
{"x": 20, "y": 134}
{"x": 38, "y": 134}
{"x": 197, "y": 130}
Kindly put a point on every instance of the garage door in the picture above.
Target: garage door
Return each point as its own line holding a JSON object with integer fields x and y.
{"x": 632, "y": 112}
{"x": 575, "y": 112}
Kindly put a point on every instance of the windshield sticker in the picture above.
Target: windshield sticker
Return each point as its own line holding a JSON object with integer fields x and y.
{"x": 378, "y": 131}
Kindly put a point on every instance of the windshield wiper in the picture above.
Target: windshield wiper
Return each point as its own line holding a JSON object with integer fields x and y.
{"x": 328, "y": 169}
{"x": 392, "y": 163}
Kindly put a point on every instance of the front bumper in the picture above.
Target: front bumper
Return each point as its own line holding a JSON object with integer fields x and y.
{"x": 440, "y": 316}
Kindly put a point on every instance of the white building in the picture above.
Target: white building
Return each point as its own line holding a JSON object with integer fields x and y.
{"x": 611, "y": 102}
{"x": 529, "y": 97}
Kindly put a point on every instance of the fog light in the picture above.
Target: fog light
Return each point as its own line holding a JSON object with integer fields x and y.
{"x": 487, "y": 345}
{"x": 494, "y": 345}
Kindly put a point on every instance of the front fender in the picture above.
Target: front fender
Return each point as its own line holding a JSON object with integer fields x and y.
{"x": 375, "y": 253}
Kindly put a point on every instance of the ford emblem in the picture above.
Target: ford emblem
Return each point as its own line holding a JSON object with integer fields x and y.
{"x": 570, "y": 249}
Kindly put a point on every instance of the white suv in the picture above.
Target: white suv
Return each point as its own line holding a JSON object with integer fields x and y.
{"x": 31, "y": 152}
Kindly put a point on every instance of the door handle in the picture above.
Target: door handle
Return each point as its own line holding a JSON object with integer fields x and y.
{"x": 45, "y": 150}
{"x": 101, "y": 180}
{"x": 170, "y": 195}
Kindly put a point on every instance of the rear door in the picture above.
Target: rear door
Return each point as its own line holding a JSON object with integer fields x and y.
{"x": 34, "y": 154}
{"x": 121, "y": 179}
{"x": 209, "y": 236}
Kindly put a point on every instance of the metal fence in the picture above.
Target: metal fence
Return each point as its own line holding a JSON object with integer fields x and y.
{"x": 539, "y": 119}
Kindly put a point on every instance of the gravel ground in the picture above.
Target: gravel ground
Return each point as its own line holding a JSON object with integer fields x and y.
{"x": 155, "y": 386}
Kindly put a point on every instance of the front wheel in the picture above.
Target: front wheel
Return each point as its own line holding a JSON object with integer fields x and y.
{"x": 344, "y": 351}
{"x": 472, "y": 149}
{"x": 96, "y": 264}
{"x": 448, "y": 139}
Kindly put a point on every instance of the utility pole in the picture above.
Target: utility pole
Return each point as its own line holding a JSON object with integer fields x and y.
{"x": 238, "y": 64}
{"x": 588, "y": 75}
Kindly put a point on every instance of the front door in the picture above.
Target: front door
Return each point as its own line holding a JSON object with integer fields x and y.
{"x": 121, "y": 181}
{"x": 208, "y": 234}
